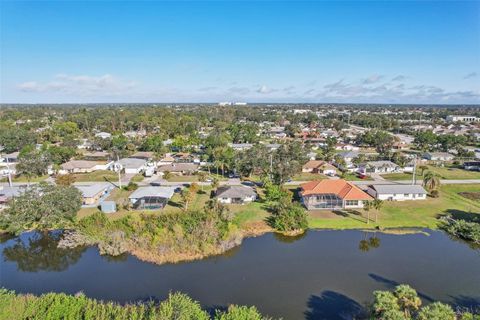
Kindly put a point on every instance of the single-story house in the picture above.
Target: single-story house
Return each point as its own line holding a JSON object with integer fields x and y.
{"x": 96, "y": 155}
{"x": 131, "y": 165}
{"x": 472, "y": 165}
{"x": 397, "y": 192}
{"x": 168, "y": 159}
{"x": 319, "y": 166}
{"x": 348, "y": 156}
{"x": 179, "y": 168}
{"x": 332, "y": 195}
{"x": 240, "y": 146}
{"x": 93, "y": 194}
{"x": 151, "y": 197}
{"x": 379, "y": 167}
{"x": 10, "y": 157}
{"x": 103, "y": 135}
{"x": 145, "y": 155}
{"x": 235, "y": 194}
{"x": 84, "y": 166}
{"x": 438, "y": 156}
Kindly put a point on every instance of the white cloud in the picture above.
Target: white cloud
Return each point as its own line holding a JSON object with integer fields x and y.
{"x": 400, "y": 77}
{"x": 83, "y": 85}
{"x": 265, "y": 90}
{"x": 374, "y": 78}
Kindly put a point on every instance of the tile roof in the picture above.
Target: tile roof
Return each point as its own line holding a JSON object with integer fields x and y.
{"x": 340, "y": 187}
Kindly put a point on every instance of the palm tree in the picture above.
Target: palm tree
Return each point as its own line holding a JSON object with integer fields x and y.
{"x": 423, "y": 168}
{"x": 377, "y": 204}
{"x": 431, "y": 181}
{"x": 367, "y": 205}
{"x": 202, "y": 177}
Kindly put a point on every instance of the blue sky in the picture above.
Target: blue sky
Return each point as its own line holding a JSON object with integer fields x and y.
{"x": 258, "y": 51}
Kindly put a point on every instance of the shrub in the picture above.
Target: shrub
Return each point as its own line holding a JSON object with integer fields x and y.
{"x": 289, "y": 217}
{"x": 434, "y": 194}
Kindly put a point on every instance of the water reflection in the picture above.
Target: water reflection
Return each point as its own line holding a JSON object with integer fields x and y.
{"x": 289, "y": 239}
{"x": 38, "y": 252}
{"x": 368, "y": 243}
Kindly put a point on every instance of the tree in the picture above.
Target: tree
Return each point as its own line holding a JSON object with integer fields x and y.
{"x": 408, "y": 299}
{"x": 367, "y": 205}
{"x": 423, "y": 168}
{"x": 202, "y": 177}
{"x": 187, "y": 195}
{"x": 425, "y": 140}
{"x": 59, "y": 155}
{"x": 437, "y": 311}
{"x": 65, "y": 179}
{"x": 167, "y": 175}
{"x": 386, "y": 307}
{"x": 431, "y": 181}
{"x": 32, "y": 163}
{"x": 43, "y": 206}
{"x": 377, "y": 204}
{"x": 215, "y": 183}
{"x": 289, "y": 217}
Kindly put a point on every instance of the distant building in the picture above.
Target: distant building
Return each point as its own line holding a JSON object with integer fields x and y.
{"x": 462, "y": 119}
{"x": 84, "y": 166}
{"x": 378, "y": 167}
{"x": 93, "y": 194}
{"x": 319, "y": 166}
{"x": 438, "y": 156}
{"x": 472, "y": 165}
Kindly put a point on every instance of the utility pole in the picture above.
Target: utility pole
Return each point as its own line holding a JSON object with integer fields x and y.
{"x": 271, "y": 167}
{"x": 119, "y": 170}
{"x": 414, "y": 177}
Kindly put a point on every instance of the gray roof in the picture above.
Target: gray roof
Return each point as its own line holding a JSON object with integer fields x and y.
{"x": 178, "y": 167}
{"x": 235, "y": 192}
{"x": 398, "y": 188}
{"x": 132, "y": 162}
{"x": 162, "y": 192}
{"x": 349, "y": 154}
{"x": 381, "y": 164}
{"x": 89, "y": 191}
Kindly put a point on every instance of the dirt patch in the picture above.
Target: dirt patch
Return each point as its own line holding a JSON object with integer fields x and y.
{"x": 475, "y": 196}
{"x": 324, "y": 214}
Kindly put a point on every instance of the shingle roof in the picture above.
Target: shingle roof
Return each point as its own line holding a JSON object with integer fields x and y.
{"x": 162, "y": 192}
{"x": 132, "y": 162}
{"x": 340, "y": 187}
{"x": 235, "y": 192}
{"x": 89, "y": 191}
{"x": 398, "y": 188}
{"x": 81, "y": 164}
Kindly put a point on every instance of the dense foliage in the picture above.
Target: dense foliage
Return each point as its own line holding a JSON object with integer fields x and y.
{"x": 59, "y": 306}
{"x": 467, "y": 230}
{"x": 43, "y": 206}
{"x": 405, "y": 304}
{"x": 161, "y": 238}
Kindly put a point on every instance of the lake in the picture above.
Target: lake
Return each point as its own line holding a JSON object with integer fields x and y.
{"x": 320, "y": 275}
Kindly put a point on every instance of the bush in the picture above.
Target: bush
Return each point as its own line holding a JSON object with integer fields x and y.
{"x": 289, "y": 217}
{"x": 131, "y": 186}
{"x": 60, "y": 306}
{"x": 434, "y": 194}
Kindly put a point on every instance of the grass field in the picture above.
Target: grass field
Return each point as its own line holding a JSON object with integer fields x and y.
{"x": 100, "y": 175}
{"x": 447, "y": 173}
{"x": 308, "y": 176}
{"x": 24, "y": 179}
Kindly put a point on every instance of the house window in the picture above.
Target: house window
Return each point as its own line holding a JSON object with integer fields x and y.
{"x": 351, "y": 203}
{"x": 406, "y": 195}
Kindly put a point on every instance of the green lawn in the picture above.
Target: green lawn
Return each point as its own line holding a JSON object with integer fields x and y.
{"x": 100, "y": 175}
{"x": 137, "y": 178}
{"x": 22, "y": 178}
{"x": 447, "y": 173}
{"x": 308, "y": 176}
{"x": 353, "y": 177}
{"x": 404, "y": 214}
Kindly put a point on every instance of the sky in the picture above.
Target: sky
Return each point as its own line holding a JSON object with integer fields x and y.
{"x": 244, "y": 51}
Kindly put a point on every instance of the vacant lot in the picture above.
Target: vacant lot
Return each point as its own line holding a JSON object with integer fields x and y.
{"x": 447, "y": 173}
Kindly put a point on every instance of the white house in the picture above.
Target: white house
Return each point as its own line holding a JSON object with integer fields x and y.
{"x": 438, "y": 156}
{"x": 379, "y": 167}
{"x": 131, "y": 165}
{"x": 151, "y": 197}
{"x": 397, "y": 192}
{"x": 235, "y": 194}
{"x": 103, "y": 135}
{"x": 84, "y": 166}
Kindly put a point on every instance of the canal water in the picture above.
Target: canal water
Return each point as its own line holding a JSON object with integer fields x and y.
{"x": 320, "y": 275}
